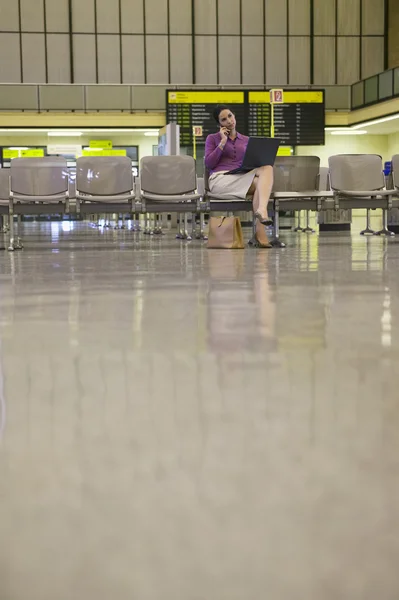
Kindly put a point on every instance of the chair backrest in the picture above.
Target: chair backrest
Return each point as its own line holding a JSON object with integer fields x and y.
{"x": 46, "y": 176}
{"x": 395, "y": 170}
{"x": 4, "y": 184}
{"x": 104, "y": 175}
{"x": 356, "y": 172}
{"x": 296, "y": 173}
{"x": 168, "y": 175}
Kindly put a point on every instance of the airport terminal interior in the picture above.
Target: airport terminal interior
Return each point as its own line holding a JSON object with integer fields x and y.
{"x": 182, "y": 416}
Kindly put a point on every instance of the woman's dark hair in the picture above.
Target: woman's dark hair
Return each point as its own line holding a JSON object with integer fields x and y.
{"x": 220, "y": 108}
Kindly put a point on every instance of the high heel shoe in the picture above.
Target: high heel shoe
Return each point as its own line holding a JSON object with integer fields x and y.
{"x": 265, "y": 222}
{"x": 255, "y": 243}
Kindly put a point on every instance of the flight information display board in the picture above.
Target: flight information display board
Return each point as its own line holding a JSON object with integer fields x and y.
{"x": 298, "y": 121}
{"x": 191, "y": 108}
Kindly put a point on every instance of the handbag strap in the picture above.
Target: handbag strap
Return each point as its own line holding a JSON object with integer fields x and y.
{"x": 221, "y": 221}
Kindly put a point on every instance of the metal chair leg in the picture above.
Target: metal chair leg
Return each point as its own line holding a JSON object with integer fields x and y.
{"x": 308, "y": 228}
{"x": 201, "y": 233}
{"x": 368, "y": 230}
{"x": 2, "y": 230}
{"x": 187, "y": 236}
{"x": 6, "y": 224}
{"x": 180, "y": 232}
{"x": 142, "y": 222}
{"x": 298, "y": 228}
{"x": 135, "y": 222}
{"x": 19, "y": 244}
{"x": 194, "y": 230}
{"x": 11, "y": 246}
{"x": 146, "y": 224}
{"x": 275, "y": 241}
{"x": 158, "y": 224}
{"x": 385, "y": 231}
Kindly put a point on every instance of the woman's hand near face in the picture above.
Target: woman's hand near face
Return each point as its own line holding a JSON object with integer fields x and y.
{"x": 224, "y": 132}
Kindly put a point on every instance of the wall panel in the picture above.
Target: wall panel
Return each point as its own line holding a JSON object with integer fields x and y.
{"x": 83, "y": 16}
{"x": 229, "y": 60}
{"x": 276, "y": 61}
{"x": 85, "y": 70}
{"x": 324, "y": 17}
{"x": 9, "y": 15}
{"x": 160, "y": 31}
{"x": 181, "y": 64}
{"x": 58, "y": 58}
{"x": 156, "y": 16}
{"x": 324, "y": 60}
{"x": 372, "y": 56}
{"x": 373, "y": 17}
{"x": 107, "y": 16}
{"x": 132, "y": 16}
{"x": 348, "y": 17}
{"x": 229, "y": 16}
{"x": 133, "y": 59}
{"x": 108, "y": 59}
{"x": 253, "y": 16}
{"x": 299, "y": 17}
{"x": 180, "y": 17}
{"x": 206, "y": 59}
{"x": 299, "y": 60}
{"x": 276, "y": 17}
{"x": 57, "y": 16}
{"x": 10, "y": 58}
{"x": 157, "y": 58}
{"x": 348, "y": 70}
{"x": 205, "y": 16}
{"x": 32, "y": 15}
{"x": 253, "y": 70}
{"x": 33, "y": 58}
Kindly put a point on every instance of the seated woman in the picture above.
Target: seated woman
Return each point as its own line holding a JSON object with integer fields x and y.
{"x": 224, "y": 151}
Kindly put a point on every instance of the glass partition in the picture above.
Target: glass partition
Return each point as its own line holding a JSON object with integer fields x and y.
{"x": 396, "y": 82}
{"x": 385, "y": 85}
{"x": 371, "y": 90}
{"x": 358, "y": 94}
{"x": 375, "y": 89}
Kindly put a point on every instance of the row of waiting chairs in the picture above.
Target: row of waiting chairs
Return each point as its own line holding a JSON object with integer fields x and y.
{"x": 169, "y": 184}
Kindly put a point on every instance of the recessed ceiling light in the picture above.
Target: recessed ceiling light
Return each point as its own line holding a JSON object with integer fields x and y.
{"x": 376, "y": 121}
{"x": 64, "y": 133}
{"x": 348, "y": 132}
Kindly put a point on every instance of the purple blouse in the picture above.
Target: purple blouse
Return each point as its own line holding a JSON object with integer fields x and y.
{"x": 229, "y": 158}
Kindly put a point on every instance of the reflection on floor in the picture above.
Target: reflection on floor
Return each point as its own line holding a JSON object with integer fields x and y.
{"x": 184, "y": 424}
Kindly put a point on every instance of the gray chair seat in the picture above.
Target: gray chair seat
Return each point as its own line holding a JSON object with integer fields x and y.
{"x": 302, "y": 195}
{"x": 366, "y": 193}
{"x": 170, "y": 197}
{"x": 54, "y": 199}
{"x": 226, "y": 198}
{"x": 117, "y": 199}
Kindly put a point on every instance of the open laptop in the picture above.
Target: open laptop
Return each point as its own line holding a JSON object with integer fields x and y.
{"x": 260, "y": 152}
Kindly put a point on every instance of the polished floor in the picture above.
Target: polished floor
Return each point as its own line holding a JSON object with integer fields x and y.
{"x": 184, "y": 424}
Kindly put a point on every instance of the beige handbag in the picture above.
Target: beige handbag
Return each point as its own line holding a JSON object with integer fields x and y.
{"x": 225, "y": 232}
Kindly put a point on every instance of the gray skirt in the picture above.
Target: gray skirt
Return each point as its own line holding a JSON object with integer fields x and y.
{"x": 234, "y": 186}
